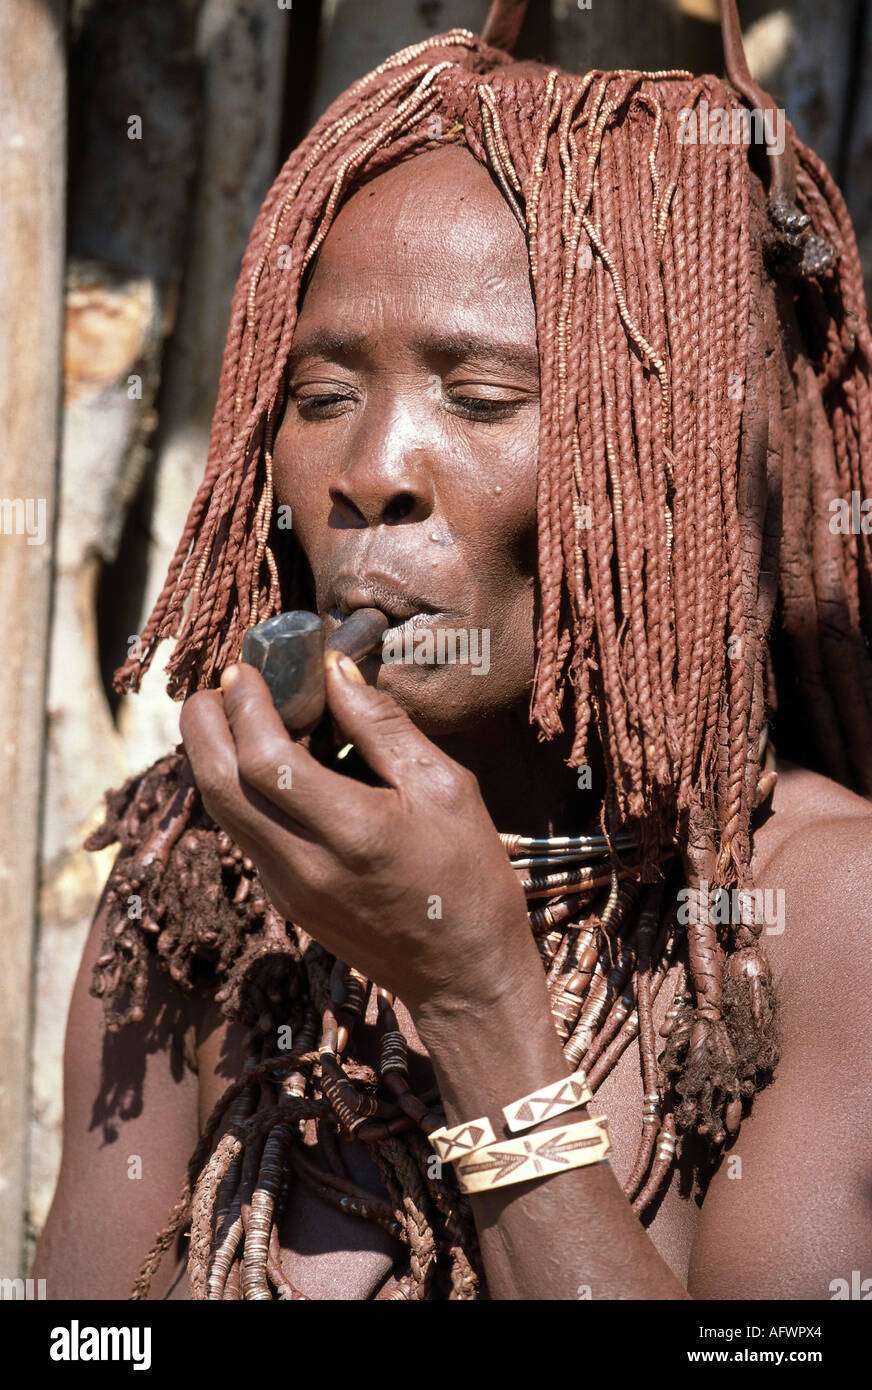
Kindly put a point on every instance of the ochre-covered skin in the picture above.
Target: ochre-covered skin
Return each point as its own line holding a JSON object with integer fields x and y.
{"x": 401, "y": 482}
{"x": 410, "y": 484}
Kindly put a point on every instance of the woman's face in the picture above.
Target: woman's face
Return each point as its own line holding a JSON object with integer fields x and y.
{"x": 409, "y": 441}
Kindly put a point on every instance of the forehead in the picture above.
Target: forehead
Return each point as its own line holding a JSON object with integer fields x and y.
{"x": 432, "y": 236}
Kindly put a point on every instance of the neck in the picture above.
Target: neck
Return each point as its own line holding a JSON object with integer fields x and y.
{"x": 526, "y": 784}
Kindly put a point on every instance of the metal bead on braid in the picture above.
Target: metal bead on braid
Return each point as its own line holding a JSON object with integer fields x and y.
{"x": 666, "y": 1146}
{"x": 393, "y": 1053}
{"x": 600, "y": 968}
{"x": 651, "y": 1109}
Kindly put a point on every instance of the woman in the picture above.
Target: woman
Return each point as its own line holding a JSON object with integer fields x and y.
{"x": 514, "y": 359}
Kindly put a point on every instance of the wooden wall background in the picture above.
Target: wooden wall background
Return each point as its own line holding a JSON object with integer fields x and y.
{"x": 118, "y": 257}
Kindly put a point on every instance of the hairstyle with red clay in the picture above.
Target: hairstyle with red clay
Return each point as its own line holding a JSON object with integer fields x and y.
{"x": 705, "y": 372}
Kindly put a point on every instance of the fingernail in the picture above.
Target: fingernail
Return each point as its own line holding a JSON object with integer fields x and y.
{"x": 345, "y": 667}
{"x": 229, "y": 675}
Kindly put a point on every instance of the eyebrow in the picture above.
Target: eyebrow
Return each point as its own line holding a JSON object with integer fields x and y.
{"x": 342, "y": 344}
{"x": 463, "y": 346}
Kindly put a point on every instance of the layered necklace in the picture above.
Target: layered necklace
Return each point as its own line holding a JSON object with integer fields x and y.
{"x": 607, "y": 942}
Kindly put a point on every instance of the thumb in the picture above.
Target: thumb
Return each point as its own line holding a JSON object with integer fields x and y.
{"x": 380, "y": 730}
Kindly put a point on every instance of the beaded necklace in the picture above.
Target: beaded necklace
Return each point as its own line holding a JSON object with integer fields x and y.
{"x": 606, "y": 949}
{"x": 607, "y": 942}
{"x": 606, "y": 953}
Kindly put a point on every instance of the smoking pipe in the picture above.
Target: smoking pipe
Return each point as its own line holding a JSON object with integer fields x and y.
{"x": 289, "y": 652}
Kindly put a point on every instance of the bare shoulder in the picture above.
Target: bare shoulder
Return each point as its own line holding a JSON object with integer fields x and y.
{"x": 813, "y": 859}
{"x": 806, "y": 805}
{"x": 799, "y": 1220}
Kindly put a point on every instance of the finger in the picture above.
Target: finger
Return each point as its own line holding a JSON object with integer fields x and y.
{"x": 211, "y": 751}
{"x": 380, "y": 730}
{"x": 313, "y": 797}
{"x": 257, "y": 827}
{"x": 208, "y": 743}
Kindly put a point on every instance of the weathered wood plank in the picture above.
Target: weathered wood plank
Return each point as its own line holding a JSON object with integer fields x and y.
{"x": 134, "y": 139}
{"x": 355, "y": 38}
{"x": 858, "y": 154}
{"x": 242, "y": 46}
{"x": 133, "y": 339}
{"x": 32, "y": 156}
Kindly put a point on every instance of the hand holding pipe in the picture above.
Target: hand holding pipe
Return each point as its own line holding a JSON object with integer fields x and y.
{"x": 289, "y": 652}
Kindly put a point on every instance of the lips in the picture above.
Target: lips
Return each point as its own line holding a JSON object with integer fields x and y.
{"x": 397, "y": 601}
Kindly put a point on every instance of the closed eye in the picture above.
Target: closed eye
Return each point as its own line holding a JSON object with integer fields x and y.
{"x": 325, "y": 405}
{"x": 485, "y": 408}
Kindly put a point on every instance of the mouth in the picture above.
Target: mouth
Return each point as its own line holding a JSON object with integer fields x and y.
{"x": 398, "y": 603}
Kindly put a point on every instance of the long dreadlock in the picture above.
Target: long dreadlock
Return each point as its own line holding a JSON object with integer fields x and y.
{"x": 664, "y": 285}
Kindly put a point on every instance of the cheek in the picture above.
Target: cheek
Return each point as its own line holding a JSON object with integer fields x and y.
{"x": 498, "y": 677}
{"x": 496, "y": 562}
{"x": 500, "y": 539}
{"x": 486, "y": 504}
{"x": 299, "y": 484}
{"x": 502, "y": 554}
{"x": 486, "y": 488}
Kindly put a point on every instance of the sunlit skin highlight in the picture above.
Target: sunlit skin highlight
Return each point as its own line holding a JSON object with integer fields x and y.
{"x": 409, "y": 449}
{"x": 408, "y": 454}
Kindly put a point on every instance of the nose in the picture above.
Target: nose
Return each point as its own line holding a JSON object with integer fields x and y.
{"x": 387, "y": 480}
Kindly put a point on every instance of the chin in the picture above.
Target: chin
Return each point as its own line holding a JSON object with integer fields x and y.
{"x": 444, "y": 700}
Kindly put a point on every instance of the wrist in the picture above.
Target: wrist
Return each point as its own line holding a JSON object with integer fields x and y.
{"x": 500, "y": 982}
{"x": 487, "y": 1049}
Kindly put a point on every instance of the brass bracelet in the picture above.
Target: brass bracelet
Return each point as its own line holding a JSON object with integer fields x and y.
{"x": 534, "y": 1156}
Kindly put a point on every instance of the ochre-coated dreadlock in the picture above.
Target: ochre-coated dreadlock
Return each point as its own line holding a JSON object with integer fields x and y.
{"x": 663, "y": 286}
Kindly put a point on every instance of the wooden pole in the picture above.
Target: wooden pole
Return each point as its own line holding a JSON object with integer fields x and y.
{"x": 32, "y": 162}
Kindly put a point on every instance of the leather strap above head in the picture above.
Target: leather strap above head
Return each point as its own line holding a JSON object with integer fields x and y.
{"x": 503, "y": 23}
{"x": 798, "y": 249}
{"x": 782, "y": 182}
